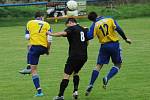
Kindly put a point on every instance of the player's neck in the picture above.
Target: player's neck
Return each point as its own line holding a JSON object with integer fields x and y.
{"x": 39, "y": 18}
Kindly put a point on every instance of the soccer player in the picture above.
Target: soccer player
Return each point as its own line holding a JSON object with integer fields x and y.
{"x": 106, "y": 29}
{"x": 27, "y": 70}
{"x": 77, "y": 38}
{"x": 37, "y": 29}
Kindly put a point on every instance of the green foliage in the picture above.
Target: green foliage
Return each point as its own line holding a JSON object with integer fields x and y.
{"x": 124, "y": 11}
{"x": 131, "y": 83}
{"x": 24, "y": 11}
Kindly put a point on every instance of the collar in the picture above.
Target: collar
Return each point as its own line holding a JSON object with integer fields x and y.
{"x": 38, "y": 18}
{"x": 99, "y": 18}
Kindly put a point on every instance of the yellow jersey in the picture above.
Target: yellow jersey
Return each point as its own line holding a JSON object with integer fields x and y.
{"x": 37, "y": 30}
{"x": 105, "y": 30}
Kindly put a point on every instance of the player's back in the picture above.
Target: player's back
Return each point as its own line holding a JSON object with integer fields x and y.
{"x": 105, "y": 30}
{"x": 77, "y": 41}
{"x": 37, "y": 30}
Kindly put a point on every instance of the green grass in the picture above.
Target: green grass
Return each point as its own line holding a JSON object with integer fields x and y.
{"x": 131, "y": 83}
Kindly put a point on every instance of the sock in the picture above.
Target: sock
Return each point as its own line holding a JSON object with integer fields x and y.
{"x": 76, "y": 82}
{"x": 36, "y": 82}
{"x": 114, "y": 70}
{"x": 28, "y": 66}
{"x": 63, "y": 85}
{"x": 94, "y": 76}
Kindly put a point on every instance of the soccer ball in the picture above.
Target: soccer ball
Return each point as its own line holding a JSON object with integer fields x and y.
{"x": 72, "y": 5}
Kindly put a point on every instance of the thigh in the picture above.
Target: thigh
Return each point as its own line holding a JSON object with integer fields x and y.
{"x": 74, "y": 65}
{"x": 116, "y": 54}
{"x": 68, "y": 67}
{"x": 33, "y": 56}
{"x": 78, "y": 64}
{"x": 103, "y": 56}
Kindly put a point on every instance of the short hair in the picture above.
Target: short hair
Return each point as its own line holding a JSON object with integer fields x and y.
{"x": 92, "y": 16}
{"x": 71, "y": 20}
{"x": 39, "y": 14}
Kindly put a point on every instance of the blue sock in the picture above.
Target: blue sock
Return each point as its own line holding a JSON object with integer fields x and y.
{"x": 114, "y": 70}
{"x": 36, "y": 82}
{"x": 94, "y": 76}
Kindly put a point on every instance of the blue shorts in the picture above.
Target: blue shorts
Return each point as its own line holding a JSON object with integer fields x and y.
{"x": 107, "y": 50}
{"x": 35, "y": 52}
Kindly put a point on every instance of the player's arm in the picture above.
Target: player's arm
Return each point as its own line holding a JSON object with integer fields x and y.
{"x": 49, "y": 43}
{"x": 90, "y": 33}
{"x": 27, "y": 35}
{"x": 49, "y": 40}
{"x": 121, "y": 33}
{"x": 57, "y": 34}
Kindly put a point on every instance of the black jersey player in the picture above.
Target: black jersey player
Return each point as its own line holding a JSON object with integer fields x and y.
{"x": 77, "y": 57}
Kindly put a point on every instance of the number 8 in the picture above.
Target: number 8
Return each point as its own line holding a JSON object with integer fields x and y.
{"x": 82, "y": 36}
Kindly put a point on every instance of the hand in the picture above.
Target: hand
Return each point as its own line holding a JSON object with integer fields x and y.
{"x": 128, "y": 41}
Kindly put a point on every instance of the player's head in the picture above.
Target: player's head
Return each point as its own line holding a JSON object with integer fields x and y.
{"x": 39, "y": 15}
{"x": 71, "y": 22}
{"x": 92, "y": 16}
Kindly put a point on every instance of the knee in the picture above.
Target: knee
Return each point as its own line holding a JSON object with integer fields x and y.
{"x": 98, "y": 67}
{"x": 118, "y": 65}
{"x": 33, "y": 69}
{"x": 66, "y": 76}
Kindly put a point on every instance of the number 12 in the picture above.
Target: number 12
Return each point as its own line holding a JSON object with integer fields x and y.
{"x": 104, "y": 29}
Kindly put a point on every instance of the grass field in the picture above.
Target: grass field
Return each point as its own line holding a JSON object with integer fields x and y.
{"x": 132, "y": 83}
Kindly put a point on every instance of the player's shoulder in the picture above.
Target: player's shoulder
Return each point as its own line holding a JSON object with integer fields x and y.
{"x": 109, "y": 18}
{"x": 30, "y": 21}
{"x": 46, "y": 23}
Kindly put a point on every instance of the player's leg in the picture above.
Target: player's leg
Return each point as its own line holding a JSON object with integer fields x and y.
{"x": 36, "y": 80}
{"x": 117, "y": 60}
{"x": 94, "y": 76}
{"x": 63, "y": 86}
{"x": 26, "y": 70}
{"x": 65, "y": 81}
{"x": 76, "y": 80}
{"x": 34, "y": 55}
{"x": 103, "y": 58}
{"x": 78, "y": 64}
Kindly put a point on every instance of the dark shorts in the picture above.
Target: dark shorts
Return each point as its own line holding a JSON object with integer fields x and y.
{"x": 111, "y": 49}
{"x": 74, "y": 65}
{"x": 35, "y": 52}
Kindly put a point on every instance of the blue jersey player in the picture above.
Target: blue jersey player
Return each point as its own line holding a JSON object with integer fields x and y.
{"x": 106, "y": 30}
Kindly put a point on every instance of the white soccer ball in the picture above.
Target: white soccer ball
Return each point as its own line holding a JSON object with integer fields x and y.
{"x": 72, "y": 5}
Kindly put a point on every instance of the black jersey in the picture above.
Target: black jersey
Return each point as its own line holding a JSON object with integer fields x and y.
{"x": 77, "y": 38}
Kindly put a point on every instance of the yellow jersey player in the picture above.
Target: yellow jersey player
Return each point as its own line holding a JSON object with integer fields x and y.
{"x": 27, "y": 70}
{"x": 37, "y": 30}
{"x": 106, "y": 29}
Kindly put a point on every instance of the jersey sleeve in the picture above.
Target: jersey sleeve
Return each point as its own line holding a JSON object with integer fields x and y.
{"x": 27, "y": 34}
{"x": 119, "y": 30}
{"x": 90, "y": 33}
{"x": 68, "y": 30}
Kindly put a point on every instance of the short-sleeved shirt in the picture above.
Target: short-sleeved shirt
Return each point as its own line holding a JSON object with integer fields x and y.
{"x": 37, "y": 30}
{"x": 77, "y": 38}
